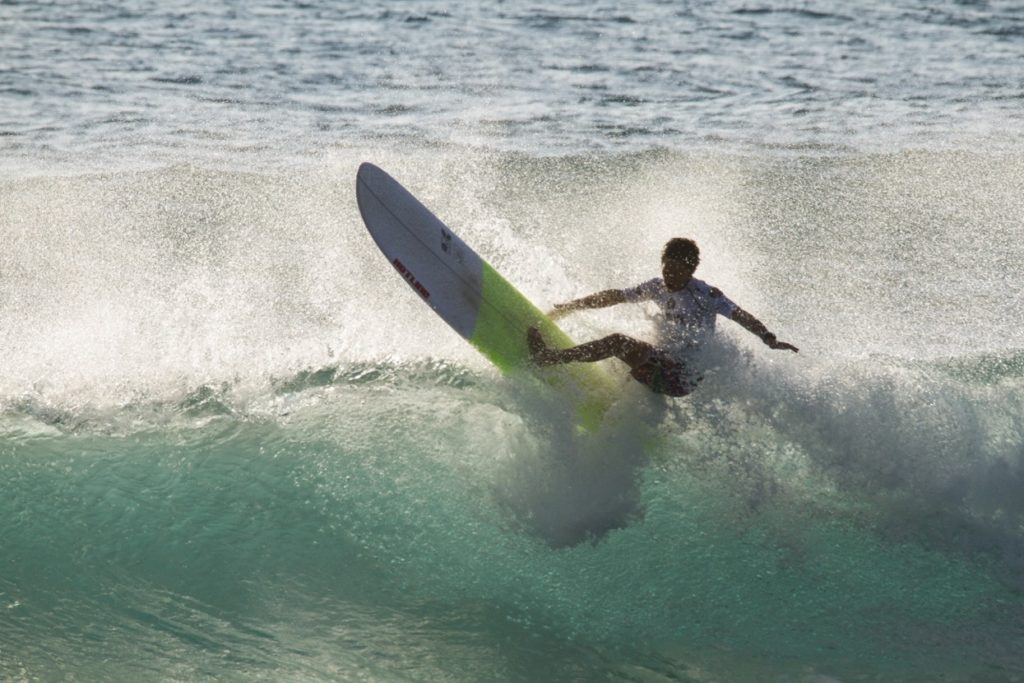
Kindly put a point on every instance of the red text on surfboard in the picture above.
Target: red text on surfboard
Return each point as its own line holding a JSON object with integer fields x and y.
{"x": 411, "y": 279}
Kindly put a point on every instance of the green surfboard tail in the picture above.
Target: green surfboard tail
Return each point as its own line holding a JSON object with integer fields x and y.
{"x": 504, "y": 317}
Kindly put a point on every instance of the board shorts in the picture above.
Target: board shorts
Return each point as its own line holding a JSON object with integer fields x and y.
{"x": 663, "y": 374}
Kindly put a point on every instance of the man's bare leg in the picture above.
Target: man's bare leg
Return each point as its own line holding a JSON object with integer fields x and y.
{"x": 632, "y": 352}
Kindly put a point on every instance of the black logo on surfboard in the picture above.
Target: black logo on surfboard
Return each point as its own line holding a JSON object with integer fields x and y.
{"x": 448, "y": 248}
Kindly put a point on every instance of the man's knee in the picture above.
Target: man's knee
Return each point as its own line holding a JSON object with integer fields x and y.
{"x": 620, "y": 340}
{"x": 629, "y": 350}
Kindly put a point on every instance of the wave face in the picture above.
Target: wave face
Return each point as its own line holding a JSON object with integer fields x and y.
{"x": 234, "y": 446}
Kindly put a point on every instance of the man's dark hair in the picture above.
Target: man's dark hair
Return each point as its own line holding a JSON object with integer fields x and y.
{"x": 681, "y": 249}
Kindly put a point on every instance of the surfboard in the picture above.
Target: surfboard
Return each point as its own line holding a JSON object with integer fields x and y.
{"x": 470, "y": 295}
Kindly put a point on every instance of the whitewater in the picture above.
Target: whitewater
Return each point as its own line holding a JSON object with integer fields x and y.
{"x": 235, "y": 446}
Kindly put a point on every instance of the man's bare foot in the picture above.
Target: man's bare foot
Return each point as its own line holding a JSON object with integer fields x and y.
{"x": 539, "y": 352}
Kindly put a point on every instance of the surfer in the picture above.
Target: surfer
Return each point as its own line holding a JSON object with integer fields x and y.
{"x": 688, "y": 311}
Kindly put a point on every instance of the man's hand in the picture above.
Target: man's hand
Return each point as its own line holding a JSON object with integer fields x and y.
{"x": 558, "y": 310}
{"x": 773, "y": 343}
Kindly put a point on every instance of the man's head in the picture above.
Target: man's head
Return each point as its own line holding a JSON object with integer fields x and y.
{"x": 679, "y": 260}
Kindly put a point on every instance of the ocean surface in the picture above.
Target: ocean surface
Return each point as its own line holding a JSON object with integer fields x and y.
{"x": 234, "y": 446}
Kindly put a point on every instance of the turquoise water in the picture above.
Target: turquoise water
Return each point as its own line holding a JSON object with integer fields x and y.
{"x": 367, "y": 527}
{"x": 234, "y": 446}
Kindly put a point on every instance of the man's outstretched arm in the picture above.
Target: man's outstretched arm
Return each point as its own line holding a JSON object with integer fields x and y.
{"x": 756, "y": 327}
{"x": 608, "y": 297}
